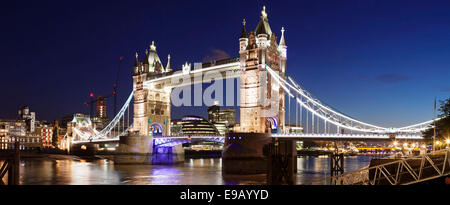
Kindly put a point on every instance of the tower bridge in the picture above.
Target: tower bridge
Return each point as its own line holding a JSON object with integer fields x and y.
{"x": 264, "y": 89}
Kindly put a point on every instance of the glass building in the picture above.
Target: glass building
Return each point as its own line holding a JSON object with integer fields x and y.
{"x": 193, "y": 125}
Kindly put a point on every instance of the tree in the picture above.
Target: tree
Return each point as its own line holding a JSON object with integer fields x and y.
{"x": 442, "y": 125}
{"x": 55, "y": 137}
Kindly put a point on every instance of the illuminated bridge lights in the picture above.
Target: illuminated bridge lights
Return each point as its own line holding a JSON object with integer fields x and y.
{"x": 348, "y": 136}
{"x": 170, "y": 141}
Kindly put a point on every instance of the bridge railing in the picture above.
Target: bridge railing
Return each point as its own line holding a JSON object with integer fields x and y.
{"x": 405, "y": 171}
{"x": 169, "y": 141}
{"x": 190, "y": 135}
{"x": 355, "y": 136}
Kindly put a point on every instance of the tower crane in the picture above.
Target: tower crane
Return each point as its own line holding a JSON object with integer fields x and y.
{"x": 92, "y": 101}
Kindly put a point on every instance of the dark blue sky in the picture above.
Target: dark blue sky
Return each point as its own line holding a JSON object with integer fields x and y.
{"x": 381, "y": 62}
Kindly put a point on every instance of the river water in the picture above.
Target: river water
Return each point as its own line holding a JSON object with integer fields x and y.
{"x": 191, "y": 172}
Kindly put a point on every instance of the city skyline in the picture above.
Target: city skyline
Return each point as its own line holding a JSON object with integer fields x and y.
{"x": 371, "y": 47}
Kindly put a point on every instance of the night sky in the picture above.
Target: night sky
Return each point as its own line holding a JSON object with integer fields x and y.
{"x": 382, "y": 62}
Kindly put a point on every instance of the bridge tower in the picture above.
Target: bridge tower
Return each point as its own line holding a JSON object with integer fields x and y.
{"x": 262, "y": 101}
{"x": 152, "y": 101}
{"x": 151, "y": 115}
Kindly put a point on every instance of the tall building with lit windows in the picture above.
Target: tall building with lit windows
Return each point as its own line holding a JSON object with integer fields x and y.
{"x": 101, "y": 107}
{"x": 100, "y": 121}
{"x": 10, "y": 128}
{"x": 47, "y": 136}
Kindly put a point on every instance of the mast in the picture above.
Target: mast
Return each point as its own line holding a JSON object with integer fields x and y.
{"x": 434, "y": 124}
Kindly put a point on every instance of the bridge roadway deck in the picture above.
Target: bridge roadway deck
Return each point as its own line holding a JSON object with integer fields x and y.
{"x": 302, "y": 137}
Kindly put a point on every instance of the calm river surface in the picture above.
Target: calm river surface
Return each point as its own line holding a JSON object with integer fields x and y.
{"x": 191, "y": 172}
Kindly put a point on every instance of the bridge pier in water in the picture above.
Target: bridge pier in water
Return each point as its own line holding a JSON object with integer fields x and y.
{"x": 259, "y": 153}
{"x": 336, "y": 164}
{"x": 168, "y": 155}
{"x": 140, "y": 149}
{"x": 84, "y": 149}
{"x": 243, "y": 153}
{"x": 282, "y": 162}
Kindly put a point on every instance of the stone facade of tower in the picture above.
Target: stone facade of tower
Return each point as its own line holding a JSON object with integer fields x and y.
{"x": 257, "y": 49}
{"x": 152, "y": 101}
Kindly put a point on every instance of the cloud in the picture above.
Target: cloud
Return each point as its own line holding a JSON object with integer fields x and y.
{"x": 392, "y": 78}
{"x": 216, "y": 54}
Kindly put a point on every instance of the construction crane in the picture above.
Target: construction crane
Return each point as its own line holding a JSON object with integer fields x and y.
{"x": 115, "y": 86}
{"x": 92, "y": 101}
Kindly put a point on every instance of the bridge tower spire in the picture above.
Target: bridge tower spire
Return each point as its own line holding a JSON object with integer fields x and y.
{"x": 168, "y": 67}
{"x": 136, "y": 64}
{"x": 146, "y": 63}
{"x": 243, "y": 43}
{"x": 283, "y": 51}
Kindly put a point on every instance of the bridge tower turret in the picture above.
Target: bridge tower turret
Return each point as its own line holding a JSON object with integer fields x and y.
{"x": 283, "y": 51}
{"x": 243, "y": 42}
{"x": 168, "y": 66}
{"x": 155, "y": 64}
{"x": 146, "y": 63}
